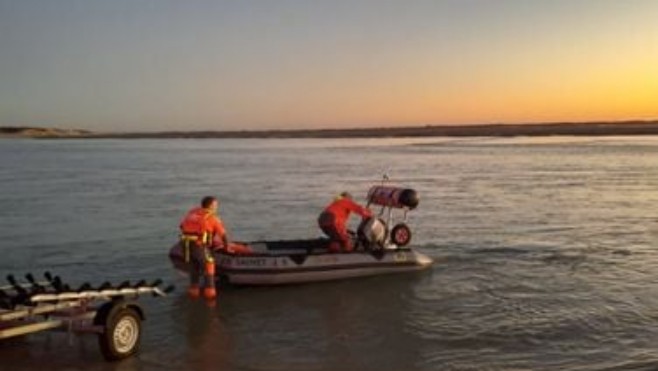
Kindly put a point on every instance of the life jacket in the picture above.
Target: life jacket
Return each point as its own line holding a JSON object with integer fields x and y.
{"x": 194, "y": 227}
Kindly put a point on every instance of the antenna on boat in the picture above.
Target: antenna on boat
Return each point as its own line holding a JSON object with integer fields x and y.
{"x": 385, "y": 177}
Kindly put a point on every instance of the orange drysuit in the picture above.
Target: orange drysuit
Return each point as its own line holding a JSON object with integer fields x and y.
{"x": 199, "y": 228}
{"x": 333, "y": 222}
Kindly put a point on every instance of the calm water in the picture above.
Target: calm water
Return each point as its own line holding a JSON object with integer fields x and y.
{"x": 545, "y": 249}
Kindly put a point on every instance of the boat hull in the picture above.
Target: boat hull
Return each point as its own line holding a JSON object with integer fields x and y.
{"x": 280, "y": 263}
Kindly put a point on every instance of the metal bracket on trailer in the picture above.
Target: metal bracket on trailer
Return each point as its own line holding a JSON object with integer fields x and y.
{"x": 31, "y": 307}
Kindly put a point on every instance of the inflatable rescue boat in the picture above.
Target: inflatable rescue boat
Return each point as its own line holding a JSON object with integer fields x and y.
{"x": 379, "y": 249}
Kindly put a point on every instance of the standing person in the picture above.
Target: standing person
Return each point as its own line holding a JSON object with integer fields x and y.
{"x": 199, "y": 229}
{"x": 334, "y": 218}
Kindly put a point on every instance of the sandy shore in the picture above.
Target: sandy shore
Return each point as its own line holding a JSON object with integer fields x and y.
{"x": 493, "y": 130}
{"x": 38, "y": 132}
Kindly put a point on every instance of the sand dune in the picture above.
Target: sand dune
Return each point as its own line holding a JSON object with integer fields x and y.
{"x": 38, "y": 132}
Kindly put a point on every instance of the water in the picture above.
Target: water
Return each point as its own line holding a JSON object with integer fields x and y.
{"x": 545, "y": 251}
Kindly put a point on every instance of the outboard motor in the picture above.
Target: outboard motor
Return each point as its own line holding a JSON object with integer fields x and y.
{"x": 372, "y": 233}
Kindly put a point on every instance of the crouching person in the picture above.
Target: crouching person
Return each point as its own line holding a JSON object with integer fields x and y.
{"x": 333, "y": 221}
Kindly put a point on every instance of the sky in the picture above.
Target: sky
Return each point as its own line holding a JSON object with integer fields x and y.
{"x": 153, "y": 65}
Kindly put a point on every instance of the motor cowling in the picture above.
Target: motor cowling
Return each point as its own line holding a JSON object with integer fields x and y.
{"x": 372, "y": 231}
{"x": 396, "y": 197}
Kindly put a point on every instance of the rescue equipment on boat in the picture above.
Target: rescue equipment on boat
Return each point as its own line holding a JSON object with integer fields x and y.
{"x": 389, "y": 197}
{"x": 396, "y": 197}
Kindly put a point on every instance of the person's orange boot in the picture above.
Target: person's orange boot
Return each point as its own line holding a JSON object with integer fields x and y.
{"x": 209, "y": 293}
{"x": 193, "y": 292}
{"x": 211, "y": 303}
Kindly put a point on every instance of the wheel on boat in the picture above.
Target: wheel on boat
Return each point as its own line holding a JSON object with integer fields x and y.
{"x": 401, "y": 234}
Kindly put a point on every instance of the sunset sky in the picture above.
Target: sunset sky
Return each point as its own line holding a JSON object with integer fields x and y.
{"x": 147, "y": 65}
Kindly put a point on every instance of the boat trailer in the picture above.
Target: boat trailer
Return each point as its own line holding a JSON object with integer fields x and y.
{"x": 110, "y": 311}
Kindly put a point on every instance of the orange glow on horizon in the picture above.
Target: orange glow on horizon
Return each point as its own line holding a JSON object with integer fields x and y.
{"x": 501, "y": 93}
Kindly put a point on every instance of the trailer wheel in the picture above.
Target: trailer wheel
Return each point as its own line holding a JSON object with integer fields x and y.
{"x": 122, "y": 331}
{"x": 401, "y": 234}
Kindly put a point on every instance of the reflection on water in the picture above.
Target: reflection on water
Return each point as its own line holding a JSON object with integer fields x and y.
{"x": 544, "y": 248}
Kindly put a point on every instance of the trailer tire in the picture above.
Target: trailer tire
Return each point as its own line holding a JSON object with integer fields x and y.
{"x": 401, "y": 234}
{"x": 122, "y": 330}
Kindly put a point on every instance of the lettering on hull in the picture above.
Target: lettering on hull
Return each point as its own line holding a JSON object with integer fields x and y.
{"x": 251, "y": 262}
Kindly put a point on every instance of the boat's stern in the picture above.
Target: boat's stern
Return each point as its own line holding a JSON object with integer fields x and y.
{"x": 423, "y": 261}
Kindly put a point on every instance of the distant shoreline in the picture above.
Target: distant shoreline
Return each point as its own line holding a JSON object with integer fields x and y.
{"x": 41, "y": 132}
{"x": 488, "y": 130}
